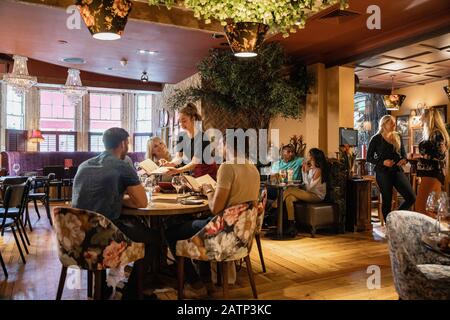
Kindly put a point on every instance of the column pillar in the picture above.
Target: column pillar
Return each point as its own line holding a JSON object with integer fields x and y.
{"x": 340, "y": 104}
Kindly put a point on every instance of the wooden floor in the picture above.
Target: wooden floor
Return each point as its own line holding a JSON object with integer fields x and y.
{"x": 326, "y": 267}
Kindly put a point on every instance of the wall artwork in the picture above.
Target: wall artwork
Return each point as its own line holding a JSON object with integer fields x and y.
{"x": 403, "y": 125}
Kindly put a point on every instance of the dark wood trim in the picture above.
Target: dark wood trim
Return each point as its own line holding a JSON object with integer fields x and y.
{"x": 142, "y": 12}
{"x": 406, "y": 35}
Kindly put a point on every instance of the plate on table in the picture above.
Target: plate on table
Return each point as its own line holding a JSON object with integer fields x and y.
{"x": 192, "y": 201}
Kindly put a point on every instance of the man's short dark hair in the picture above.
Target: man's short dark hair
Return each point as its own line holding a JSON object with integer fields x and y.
{"x": 288, "y": 147}
{"x": 113, "y": 137}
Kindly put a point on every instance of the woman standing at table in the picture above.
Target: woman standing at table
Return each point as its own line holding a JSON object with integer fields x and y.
{"x": 190, "y": 146}
{"x": 387, "y": 153}
{"x": 432, "y": 165}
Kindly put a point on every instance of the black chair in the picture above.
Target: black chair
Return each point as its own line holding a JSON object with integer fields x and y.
{"x": 35, "y": 196}
{"x": 68, "y": 182}
{"x": 12, "y": 211}
{"x": 59, "y": 174}
{"x": 9, "y": 182}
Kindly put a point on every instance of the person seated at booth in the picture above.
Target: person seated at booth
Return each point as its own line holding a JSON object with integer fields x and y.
{"x": 289, "y": 161}
{"x": 315, "y": 173}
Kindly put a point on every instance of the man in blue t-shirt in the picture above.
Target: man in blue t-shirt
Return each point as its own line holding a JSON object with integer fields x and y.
{"x": 288, "y": 161}
{"x": 105, "y": 184}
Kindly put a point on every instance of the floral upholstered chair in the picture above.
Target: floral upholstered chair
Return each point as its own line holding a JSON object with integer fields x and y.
{"x": 226, "y": 238}
{"x": 91, "y": 242}
{"x": 418, "y": 272}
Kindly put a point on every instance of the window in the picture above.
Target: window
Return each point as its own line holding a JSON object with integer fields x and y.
{"x": 140, "y": 141}
{"x": 58, "y": 141}
{"x": 105, "y": 111}
{"x": 143, "y": 122}
{"x": 57, "y": 113}
{"x": 96, "y": 142}
{"x": 14, "y": 110}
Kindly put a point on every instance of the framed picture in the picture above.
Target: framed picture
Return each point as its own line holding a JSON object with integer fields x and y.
{"x": 416, "y": 136}
{"x": 403, "y": 125}
{"x": 443, "y": 111}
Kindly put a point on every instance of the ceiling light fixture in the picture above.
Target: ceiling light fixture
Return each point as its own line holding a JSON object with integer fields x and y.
{"x": 105, "y": 19}
{"x": 144, "y": 77}
{"x": 19, "y": 79}
{"x": 245, "y": 38}
{"x": 73, "y": 89}
{"x": 393, "y": 101}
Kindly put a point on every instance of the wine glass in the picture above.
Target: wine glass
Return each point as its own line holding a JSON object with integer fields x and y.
{"x": 16, "y": 168}
{"x": 432, "y": 205}
{"x": 443, "y": 215}
{"x": 177, "y": 184}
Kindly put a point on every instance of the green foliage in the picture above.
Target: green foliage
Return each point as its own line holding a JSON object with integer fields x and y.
{"x": 280, "y": 15}
{"x": 257, "y": 88}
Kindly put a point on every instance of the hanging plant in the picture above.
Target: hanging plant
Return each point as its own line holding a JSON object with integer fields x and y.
{"x": 285, "y": 16}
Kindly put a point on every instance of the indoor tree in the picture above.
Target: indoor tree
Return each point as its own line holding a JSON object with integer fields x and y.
{"x": 259, "y": 88}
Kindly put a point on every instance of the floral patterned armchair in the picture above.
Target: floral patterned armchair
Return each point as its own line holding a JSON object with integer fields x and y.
{"x": 227, "y": 237}
{"x": 418, "y": 272}
{"x": 91, "y": 242}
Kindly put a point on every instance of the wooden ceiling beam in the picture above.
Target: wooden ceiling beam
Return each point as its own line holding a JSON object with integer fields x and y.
{"x": 142, "y": 12}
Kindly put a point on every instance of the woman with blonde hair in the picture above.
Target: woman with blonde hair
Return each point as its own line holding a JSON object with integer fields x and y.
{"x": 387, "y": 153}
{"x": 432, "y": 165}
{"x": 157, "y": 150}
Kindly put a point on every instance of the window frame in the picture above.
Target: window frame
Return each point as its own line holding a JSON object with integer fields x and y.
{"x": 22, "y": 105}
{"x": 75, "y": 118}
{"x": 140, "y": 134}
{"x": 58, "y": 133}
{"x": 89, "y": 140}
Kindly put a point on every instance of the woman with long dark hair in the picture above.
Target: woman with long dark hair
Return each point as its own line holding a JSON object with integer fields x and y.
{"x": 432, "y": 165}
{"x": 315, "y": 173}
{"x": 387, "y": 153}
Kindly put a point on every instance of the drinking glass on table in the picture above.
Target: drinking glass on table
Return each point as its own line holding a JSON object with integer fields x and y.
{"x": 283, "y": 175}
{"x": 177, "y": 183}
{"x": 443, "y": 215}
{"x": 432, "y": 205}
{"x": 16, "y": 168}
{"x": 149, "y": 186}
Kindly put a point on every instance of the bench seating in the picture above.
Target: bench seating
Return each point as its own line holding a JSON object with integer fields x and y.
{"x": 33, "y": 161}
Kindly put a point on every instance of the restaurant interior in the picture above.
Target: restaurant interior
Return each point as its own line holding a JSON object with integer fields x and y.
{"x": 320, "y": 76}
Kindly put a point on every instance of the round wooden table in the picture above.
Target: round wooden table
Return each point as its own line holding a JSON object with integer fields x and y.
{"x": 163, "y": 205}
